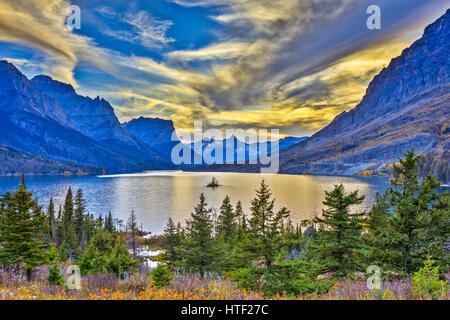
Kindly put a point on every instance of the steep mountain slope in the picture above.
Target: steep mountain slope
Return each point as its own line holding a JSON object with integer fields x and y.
{"x": 406, "y": 105}
{"x": 34, "y": 123}
{"x": 95, "y": 118}
{"x": 18, "y": 93}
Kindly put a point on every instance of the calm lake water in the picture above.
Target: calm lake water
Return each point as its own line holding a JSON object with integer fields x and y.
{"x": 156, "y": 196}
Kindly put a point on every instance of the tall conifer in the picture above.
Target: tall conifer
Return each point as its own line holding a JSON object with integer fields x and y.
{"x": 23, "y": 231}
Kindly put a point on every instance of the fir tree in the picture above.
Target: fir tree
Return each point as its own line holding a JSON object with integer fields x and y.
{"x": 240, "y": 215}
{"x": 118, "y": 261}
{"x": 338, "y": 240}
{"x": 51, "y": 220}
{"x": 133, "y": 230}
{"x": 23, "y": 231}
{"x": 264, "y": 233}
{"x": 161, "y": 276}
{"x": 68, "y": 227}
{"x": 172, "y": 242}
{"x": 59, "y": 228}
{"x": 418, "y": 221}
{"x": 109, "y": 224}
{"x": 227, "y": 226}
{"x": 200, "y": 252}
{"x": 79, "y": 212}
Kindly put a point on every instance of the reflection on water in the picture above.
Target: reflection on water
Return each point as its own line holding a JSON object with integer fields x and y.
{"x": 156, "y": 196}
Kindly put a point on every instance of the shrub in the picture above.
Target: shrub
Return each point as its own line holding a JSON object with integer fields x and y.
{"x": 388, "y": 295}
{"x": 55, "y": 277}
{"x": 247, "y": 278}
{"x": 161, "y": 276}
{"x": 426, "y": 283}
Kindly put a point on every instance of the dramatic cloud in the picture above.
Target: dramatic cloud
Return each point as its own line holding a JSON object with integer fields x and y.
{"x": 41, "y": 24}
{"x": 288, "y": 64}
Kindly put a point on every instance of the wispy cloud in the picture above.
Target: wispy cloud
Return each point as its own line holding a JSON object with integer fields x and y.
{"x": 144, "y": 29}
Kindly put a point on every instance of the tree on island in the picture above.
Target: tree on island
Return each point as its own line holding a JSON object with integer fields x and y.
{"x": 23, "y": 231}
{"x": 214, "y": 183}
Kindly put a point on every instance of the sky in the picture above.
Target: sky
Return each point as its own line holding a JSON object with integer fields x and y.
{"x": 291, "y": 65}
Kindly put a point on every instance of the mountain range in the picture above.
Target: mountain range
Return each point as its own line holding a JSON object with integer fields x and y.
{"x": 407, "y": 105}
{"x": 48, "y": 122}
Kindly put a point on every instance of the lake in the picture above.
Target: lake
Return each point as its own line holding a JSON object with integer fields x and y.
{"x": 156, "y": 196}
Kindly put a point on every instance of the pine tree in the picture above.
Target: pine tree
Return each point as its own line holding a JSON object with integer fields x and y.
{"x": 227, "y": 226}
{"x": 51, "y": 220}
{"x": 264, "y": 232}
{"x": 133, "y": 230}
{"x": 200, "y": 252}
{"x": 240, "y": 215}
{"x": 338, "y": 240}
{"x": 23, "y": 231}
{"x": 377, "y": 239}
{"x": 419, "y": 224}
{"x": 69, "y": 243}
{"x": 161, "y": 276}
{"x": 118, "y": 260}
{"x": 59, "y": 228}
{"x": 172, "y": 242}
{"x": 109, "y": 224}
{"x": 79, "y": 212}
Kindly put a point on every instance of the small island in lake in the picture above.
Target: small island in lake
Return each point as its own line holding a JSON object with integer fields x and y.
{"x": 214, "y": 183}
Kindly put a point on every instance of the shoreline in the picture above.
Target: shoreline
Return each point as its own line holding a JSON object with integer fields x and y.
{"x": 155, "y": 173}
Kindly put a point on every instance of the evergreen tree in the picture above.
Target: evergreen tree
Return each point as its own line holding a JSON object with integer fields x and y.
{"x": 227, "y": 226}
{"x": 119, "y": 260}
{"x": 79, "y": 212}
{"x": 418, "y": 221}
{"x": 109, "y": 223}
{"x": 133, "y": 230}
{"x": 338, "y": 240}
{"x": 241, "y": 215}
{"x": 264, "y": 232}
{"x": 55, "y": 277}
{"x": 23, "y": 231}
{"x": 172, "y": 242}
{"x": 99, "y": 222}
{"x": 377, "y": 239}
{"x": 69, "y": 241}
{"x": 161, "y": 276}
{"x": 51, "y": 220}
{"x": 59, "y": 228}
{"x": 200, "y": 252}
